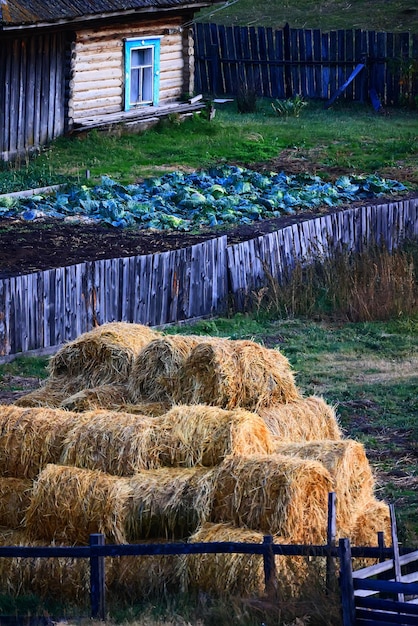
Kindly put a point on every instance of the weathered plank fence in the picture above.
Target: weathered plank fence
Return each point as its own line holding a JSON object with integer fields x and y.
{"x": 45, "y": 309}
{"x": 283, "y": 63}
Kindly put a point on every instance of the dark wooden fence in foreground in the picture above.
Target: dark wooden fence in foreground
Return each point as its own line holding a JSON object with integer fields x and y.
{"x": 42, "y": 310}
{"x": 289, "y": 61}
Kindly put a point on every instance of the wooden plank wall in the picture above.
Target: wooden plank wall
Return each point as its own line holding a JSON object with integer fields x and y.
{"x": 32, "y": 92}
{"x": 303, "y": 242}
{"x": 45, "y": 309}
{"x": 312, "y": 63}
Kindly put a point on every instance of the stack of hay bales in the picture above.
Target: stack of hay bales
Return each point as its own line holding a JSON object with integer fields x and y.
{"x": 176, "y": 438}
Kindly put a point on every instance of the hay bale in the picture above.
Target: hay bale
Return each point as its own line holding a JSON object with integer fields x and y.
{"x": 352, "y": 478}
{"x": 31, "y": 438}
{"x": 138, "y": 578}
{"x": 169, "y": 503}
{"x": 59, "y": 578}
{"x": 113, "y": 442}
{"x": 235, "y": 373}
{"x": 237, "y": 574}
{"x": 51, "y": 394}
{"x": 15, "y": 494}
{"x": 154, "y": 374}
{"x": 274, "y": 494}
{"x": 302, "y": 419}
{"x": 110, "y": 397}
{"x": 101, "y": 356}
{"x": 372, "y": 518}
{"x": 68, "y": 504}
{"x": 186, "y": 436}
{"x": 153, "y": 409}
{"x": 204, "y": 435}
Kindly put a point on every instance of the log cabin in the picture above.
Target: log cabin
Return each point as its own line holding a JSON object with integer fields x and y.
{"x": 70, "y": 66}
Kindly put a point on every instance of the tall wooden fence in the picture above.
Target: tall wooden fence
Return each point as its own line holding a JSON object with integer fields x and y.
{"x": 286, "y": 62}
{"x": 45, "y": 309}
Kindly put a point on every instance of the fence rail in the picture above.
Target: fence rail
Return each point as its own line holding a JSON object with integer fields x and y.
{"x": 45, "y": 309}
{"x": 283, "y": 63}
{"x": 97, "y": 552}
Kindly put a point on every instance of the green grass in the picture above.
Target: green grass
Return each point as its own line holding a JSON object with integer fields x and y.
{"x": 365, "y": 14}
{"x": 345, "y": 138}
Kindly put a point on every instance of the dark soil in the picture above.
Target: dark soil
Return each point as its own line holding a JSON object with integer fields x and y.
{"x": 27, "y": 247}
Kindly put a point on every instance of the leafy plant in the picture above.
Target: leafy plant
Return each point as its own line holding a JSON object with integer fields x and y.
{"x": 291, "y": 106}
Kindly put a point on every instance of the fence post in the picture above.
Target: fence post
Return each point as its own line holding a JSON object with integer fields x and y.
{"x": 331, "y": 535}
{"x": 269, "y": 565}
{"x": 346, "y": 583}
{"x": 97, "y": 578}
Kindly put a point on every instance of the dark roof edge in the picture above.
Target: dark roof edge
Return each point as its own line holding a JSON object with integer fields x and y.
{"x": 85, "y": 19}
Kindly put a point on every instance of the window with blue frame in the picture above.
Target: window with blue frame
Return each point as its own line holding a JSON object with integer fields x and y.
{"x": 142, "y": 72}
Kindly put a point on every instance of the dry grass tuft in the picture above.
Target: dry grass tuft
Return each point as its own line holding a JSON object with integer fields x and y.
{"x": 154, "y": 373}
{"x": 235, "y": 373}
{"x": 15, "y": 494}
{"x": 31, "y": 438}
{"x": 169, "y": 503}
{"x": 101, "y": 356}
{"x": 68, "y": 504}
{"x": 350, "y": 471}
{"x": 302, "y": 419}
{"x": 275, "y": 495}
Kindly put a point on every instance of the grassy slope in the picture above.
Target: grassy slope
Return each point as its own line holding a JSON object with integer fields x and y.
{"x": 327, "y": 15}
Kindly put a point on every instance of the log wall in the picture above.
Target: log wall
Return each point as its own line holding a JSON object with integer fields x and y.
{"x": 97, "y": 66}
{"x": 45, "y": 309}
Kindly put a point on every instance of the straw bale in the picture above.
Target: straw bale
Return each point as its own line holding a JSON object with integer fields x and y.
{"x": 101, "y": 356}
{"x": 275, "y": 495}
{"x": 232, "y": 574}
{"x": 30, "y": 438}
{"x": 153, "y": 409}
{"x": 204, "y": 435}
{"x": 103, "y": 397}
{"x": 68, "y": 504}
{"x": 137, "y": 578}
{"x": 186, "y": 436}
{"x": 374, "y": 517}
{"x": 235, "y": 373}
{"x": 51, "y": 394}
{"x": 154, "y": 374}
{"x": 302, "y": 419}
{"x": 15, "y": 494}
{"x": 113, "y": 442}
{"x": 350, "y": 471}
{"x": 60, "y": 578}
{"x": 169, "y": 503}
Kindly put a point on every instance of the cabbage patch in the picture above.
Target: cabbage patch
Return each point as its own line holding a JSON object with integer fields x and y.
{"x": 219, "y": 196}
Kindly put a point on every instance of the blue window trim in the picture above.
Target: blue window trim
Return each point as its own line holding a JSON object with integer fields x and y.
{"x": 134, "y": 44}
